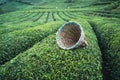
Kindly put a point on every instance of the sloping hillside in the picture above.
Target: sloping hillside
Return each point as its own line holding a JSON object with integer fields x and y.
{"x": 28, "y": 48}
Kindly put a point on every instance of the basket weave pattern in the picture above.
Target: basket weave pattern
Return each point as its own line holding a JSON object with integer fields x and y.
{"x": 70, "y": 35}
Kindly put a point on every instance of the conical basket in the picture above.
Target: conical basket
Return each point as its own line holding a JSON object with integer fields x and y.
{"x": 70, "y": 36}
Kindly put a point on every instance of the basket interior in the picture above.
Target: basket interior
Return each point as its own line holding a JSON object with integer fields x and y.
{"x": 70, "y": 35}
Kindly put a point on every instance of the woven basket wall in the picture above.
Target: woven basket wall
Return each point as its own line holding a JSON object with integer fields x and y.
{"x": 70, "y": 35}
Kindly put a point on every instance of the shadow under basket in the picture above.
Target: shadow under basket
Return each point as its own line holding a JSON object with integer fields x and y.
{"x": 70, "y": 36}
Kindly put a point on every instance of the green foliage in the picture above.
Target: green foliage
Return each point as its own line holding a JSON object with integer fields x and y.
{"x": 1, "y": 11}
{"x": 69, "y": 1}
{"x": 6, "y": 28}
{"x": 107, "y": 0}
{"x": 15, "y": 42}
{"x": 113, "y": 5}
{"x": 108, "y": 32}
{"x": 46, "y": 61}
{"x": 25, "y": 54}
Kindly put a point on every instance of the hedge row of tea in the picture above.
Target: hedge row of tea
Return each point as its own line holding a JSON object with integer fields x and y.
{"x": 15, "y": 42}
{"x": 11, "y": 32}
{"x": 11, "y": 23}
{"x": 46, "y": 61}
{"x": 108, "y": 33}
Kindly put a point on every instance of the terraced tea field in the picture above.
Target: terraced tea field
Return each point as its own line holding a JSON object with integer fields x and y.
{"x": 28, "y": 48}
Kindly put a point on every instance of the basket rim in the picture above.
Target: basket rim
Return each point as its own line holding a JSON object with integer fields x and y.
{"x": 77, "y": 44}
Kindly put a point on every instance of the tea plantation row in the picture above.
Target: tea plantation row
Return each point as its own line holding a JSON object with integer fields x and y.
{"x": 45, "y": 60}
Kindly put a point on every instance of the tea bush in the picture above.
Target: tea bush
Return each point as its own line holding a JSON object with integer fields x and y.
{"x": 46, "y": 61}
{"x": 108, "y": 31}
{"x": 15, "y": 42}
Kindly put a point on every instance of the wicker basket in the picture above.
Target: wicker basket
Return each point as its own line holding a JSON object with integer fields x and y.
{"x": 70, "y": 36}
